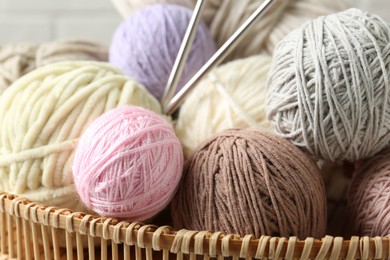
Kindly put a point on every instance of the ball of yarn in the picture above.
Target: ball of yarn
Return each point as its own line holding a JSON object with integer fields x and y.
{"x": 224, "y": 17}
{"x": 128, "y": 164}
{"x": 127, "y": 7}
{"x": 249, "y": 182}
{"x": 15, "y": 61}
{"x": 231, "y": 96}
{"x": 18, "y": 59}
{"x": 369, "y": 196}
{"x": 42, "y": 116}
{"x": 67, "y": 50}
{"x": 145, "y": 46}
{"x": 328, "y": 86}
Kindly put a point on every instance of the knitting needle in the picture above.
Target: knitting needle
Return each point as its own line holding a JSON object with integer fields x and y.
{"x": 183, "y": 53}
{"x": 217, "y": 58}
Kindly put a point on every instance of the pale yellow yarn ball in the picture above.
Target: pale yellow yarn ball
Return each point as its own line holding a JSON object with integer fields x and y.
{"x": 231, "y": 96}
{"x": 42, "y": 116}
{"x": 223, "y": 18}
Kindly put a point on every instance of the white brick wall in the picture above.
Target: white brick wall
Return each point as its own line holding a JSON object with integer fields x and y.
{"x": 98, "y": 26}
{"x": 16, "y": 27}
{"x": 57, "y": 5}
{"x": 44, "y": 20}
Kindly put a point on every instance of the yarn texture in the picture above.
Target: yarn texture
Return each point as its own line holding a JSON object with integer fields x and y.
{"x": 146, "y": 44}
{"x": 231, "y": 96}
{"x": 251, "y": 182}
{"x": 67, "y": 50}
{"x": 15, "y": 61}
{"x": 128, "y": 164}
{"x": 18, "y": 59}
{"x": 369, "y": 196}
{"x": 329, "y": 86}
{"x": 224, "y": 17}
{"x": 42, "y": 116}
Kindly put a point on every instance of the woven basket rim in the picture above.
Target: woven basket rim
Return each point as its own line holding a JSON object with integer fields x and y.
{"x": 190, "y": 241}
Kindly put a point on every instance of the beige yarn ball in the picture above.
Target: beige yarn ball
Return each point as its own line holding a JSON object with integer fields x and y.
{"x": 223, "y": 18}
{"x": 42, "y": 116}
{"x": 127, "y": 7}
{"x": 66, "y": 50}
{"x": 15, "y": 61}
{"x": 21, "y": 58}
{"x": 231, "y": 96}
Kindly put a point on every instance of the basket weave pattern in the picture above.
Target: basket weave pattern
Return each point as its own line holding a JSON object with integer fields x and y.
{"x": 32, "y": 231}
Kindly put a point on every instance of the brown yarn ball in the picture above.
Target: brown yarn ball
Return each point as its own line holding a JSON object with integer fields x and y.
{"x": 369, "y": 196}
{"x": 251, "y": 182}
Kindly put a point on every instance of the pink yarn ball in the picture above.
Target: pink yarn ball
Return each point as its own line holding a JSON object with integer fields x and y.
{"x": 370, "y": 196}
{"x": 128, "y": 164}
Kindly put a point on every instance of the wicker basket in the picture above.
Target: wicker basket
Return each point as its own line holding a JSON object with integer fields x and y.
{"x": 32, "y": 231}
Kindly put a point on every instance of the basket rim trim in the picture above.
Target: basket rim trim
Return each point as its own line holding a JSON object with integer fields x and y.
{"x": 190, "y": 241}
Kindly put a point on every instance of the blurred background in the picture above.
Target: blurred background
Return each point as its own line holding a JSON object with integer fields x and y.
{"x": 46, "y": 20}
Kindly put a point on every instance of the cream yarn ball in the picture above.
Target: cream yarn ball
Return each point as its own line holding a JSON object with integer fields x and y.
{"x": 42, "y": 116}
{"x": 223, "y": 18}
{"x": 231, "y": 96}
{"x": 329, "y": 86}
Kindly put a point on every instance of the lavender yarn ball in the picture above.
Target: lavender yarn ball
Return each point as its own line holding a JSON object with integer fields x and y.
{"x": 369, "y": 196}
{"x": 145, "y": 46}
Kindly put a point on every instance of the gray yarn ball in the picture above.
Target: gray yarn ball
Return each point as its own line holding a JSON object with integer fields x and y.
{"x": 328, "y": 89}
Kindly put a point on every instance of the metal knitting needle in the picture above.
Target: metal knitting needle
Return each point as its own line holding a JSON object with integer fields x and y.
{"x": 217, "y": 58}
{"x": 182, "y": 55}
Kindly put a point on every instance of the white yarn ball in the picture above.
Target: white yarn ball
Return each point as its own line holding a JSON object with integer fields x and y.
{"x": 42, "y": 116}
{"x": 329, "y": 86}
{"x": 231, "y": 96}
